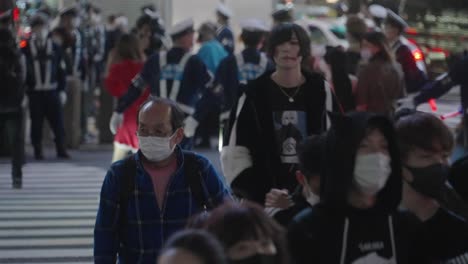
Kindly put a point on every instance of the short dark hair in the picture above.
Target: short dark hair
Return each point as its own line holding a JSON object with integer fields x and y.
{"x": 283, "y": 33}
{"x": 235, "y": 222}
{"x": 144, "y": 20}
{"x": 311, "y": 152}
{"x": 252, "y": 39}
{"x": 198, "y": 242}
{"x": 177, "y": 115}
{"x": 378, "y": 39}
{"x": 423, "y": 130}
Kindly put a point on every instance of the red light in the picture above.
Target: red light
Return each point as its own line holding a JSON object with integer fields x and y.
{"x": 16, "y": 14}
{"x": 418, "y": 56}
{"x": 433, "y": 105}
{"x": 23, "y": 44}
{"x": 411, "y": 31}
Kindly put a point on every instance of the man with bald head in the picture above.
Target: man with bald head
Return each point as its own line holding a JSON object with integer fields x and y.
{"x": 151, "y": 195}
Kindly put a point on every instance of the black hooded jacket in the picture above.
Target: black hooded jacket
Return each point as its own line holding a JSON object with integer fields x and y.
{"x": 336, "y": 232}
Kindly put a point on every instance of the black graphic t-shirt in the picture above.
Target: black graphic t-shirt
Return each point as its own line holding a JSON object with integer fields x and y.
{"x": 290, "y": 124}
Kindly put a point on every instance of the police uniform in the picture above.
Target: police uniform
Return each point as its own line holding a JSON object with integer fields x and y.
{"x": 177, "y": 75}
{"x": 414, "y": 77}
{"x": 45, "y": 82}
{"x": 224, "y": 33}
{"x": 237, "y": 69}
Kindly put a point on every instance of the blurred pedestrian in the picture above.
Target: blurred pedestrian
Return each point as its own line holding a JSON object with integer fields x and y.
{"x": 192, "y": 247}
{"x": 357, "y": 219}
{"x": 165, "y": 183}
{"x": 356, "y": 28}
{"x": 176, "y": 74}
{"x": 12, "y": 74}
{"x": 211, "y": 52}
{"x": 426, "y": 143}
{"x": 394, "y": 28}
{"x": 126, "y": 61}
{"x": 277, "y": 111}
{"x": 45, "y": 82}
{"x": 224, "y": 34}
{"x": 248, "y": 234}
{"x": 340, "y": 80}
{"x": 380, "y": 81}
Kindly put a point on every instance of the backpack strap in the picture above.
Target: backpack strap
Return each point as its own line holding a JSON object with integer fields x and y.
{"x": 127, "y": 185}
{"x": 193, "y": 174}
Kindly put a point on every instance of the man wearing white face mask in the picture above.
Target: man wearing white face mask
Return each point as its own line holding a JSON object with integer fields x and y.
{"x": 357, "y": 219}
{"x": 149, "y": 196}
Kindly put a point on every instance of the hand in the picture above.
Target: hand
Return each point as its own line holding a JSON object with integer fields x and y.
{"x": 190, "y": 126}
{"x": 115, "y": 122}
{"x": 278, "y": 199}
{"x": 63, "y": 97}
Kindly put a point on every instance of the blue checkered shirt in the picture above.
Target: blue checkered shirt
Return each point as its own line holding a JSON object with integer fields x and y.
{"x": 148, "y": 226}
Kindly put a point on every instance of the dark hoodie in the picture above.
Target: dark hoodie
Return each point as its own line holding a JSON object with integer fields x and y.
{"x": 336, "y": 232}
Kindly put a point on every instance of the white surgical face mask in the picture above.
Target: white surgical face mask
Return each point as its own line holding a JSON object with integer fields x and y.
{"x": 371, "y": 172}
{"x": 366, "y": 54}
{"x": 156, "y": 148}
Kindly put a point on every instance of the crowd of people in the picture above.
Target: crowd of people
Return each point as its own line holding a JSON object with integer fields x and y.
{"x": 320, "y": 161}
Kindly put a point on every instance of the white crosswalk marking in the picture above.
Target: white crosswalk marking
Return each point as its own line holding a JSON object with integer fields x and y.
{"x": 51, "y": 219}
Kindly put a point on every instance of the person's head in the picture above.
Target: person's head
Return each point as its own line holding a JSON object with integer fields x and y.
{"x": 6, "y": 19}
{"x": 253, "y": 33}
{"x": 311, "y": 153}
{"x": 375, "y": 45}
{"x": 247, "y": 233}
{"x": 143, "y": 27}
{"x": 39, "y": 27}
{"x": 289, "y": 46}
{"x": 128, "y": 48}
{"x": 183, "y": 34}
{"x": 206, "y": 32}
{"x": 69, "y": 18}
{"x": 282, "y": 16}
{"x": 192, "y": 246}
{"x": 223, "y": 14}
{"x": 356, "y": 28}
{"x": 362, "y": 163}
{"x": 394, "y": 26}
{"x": 425, "y": 145}
{"x": 160, "y": 128}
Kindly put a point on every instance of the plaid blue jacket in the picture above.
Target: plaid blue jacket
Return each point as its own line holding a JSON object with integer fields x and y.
{"x": 148, "y": 225}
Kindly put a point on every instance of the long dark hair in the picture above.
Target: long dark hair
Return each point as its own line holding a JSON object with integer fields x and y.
{"x": 9, "y": 53}
{"x": 128, "y": 48}
{"x": 378, "y": 39}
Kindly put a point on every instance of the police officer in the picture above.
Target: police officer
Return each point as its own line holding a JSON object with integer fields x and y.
{"x": 394, "y": 27}
{"x": 176, "y": 74}
{"x": 237, "y": 69}
{"x": 45, "y": 81}
{"x": 283, "y": 15}
{"x": 224, "y": 33}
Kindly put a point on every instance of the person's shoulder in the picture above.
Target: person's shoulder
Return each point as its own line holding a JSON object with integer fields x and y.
{"x": 200, "y": 160}
{"x": 310, "y": 216}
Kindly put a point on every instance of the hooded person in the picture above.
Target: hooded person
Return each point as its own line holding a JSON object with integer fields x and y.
{"x": 357, "y": 220}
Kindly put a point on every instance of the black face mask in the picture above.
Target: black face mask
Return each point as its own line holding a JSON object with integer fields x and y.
{"x": 430, "y": 180}
{"x": 256, "y": 259}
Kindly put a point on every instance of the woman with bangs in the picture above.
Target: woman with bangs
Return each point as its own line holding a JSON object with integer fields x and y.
{"x": 248, "y": 234}
{"x": 262, "y": 154}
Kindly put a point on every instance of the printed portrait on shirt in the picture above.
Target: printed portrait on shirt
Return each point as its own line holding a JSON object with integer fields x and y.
{"x": 290, "y": 127}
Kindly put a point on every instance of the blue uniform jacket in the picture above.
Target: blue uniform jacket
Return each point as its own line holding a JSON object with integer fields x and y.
{"x": 148, "y": 225}
{"x": 57, "y": 72}
{"x": 195, "y": 80}
{"x": 226, "y": 38}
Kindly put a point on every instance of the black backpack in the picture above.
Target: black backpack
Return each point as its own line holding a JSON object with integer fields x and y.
{"x": 192, "y": 170}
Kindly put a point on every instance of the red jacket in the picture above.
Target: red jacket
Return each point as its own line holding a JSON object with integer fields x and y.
{"x": 117, "y": 82}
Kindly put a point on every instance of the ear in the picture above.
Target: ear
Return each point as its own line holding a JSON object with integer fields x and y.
{"x": 178, "y": 136}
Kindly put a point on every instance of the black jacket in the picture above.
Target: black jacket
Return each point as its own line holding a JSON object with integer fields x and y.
{"x": 256, "y": 132}
{"x": 336, "y": 232}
